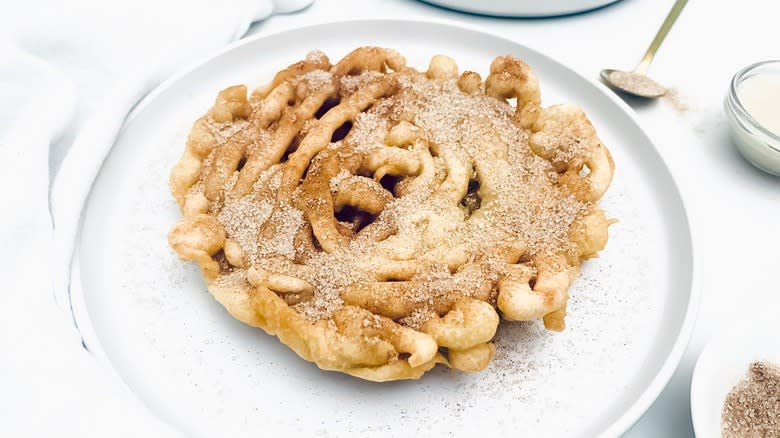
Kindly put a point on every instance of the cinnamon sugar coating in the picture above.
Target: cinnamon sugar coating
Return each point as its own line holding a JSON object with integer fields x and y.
{"x": 377, "y": 219}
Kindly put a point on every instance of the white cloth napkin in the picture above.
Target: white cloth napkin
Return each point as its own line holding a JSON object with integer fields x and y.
{"x": 69, "y": 74}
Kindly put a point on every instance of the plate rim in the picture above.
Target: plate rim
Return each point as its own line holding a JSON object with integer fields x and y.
{"x": 633, "y": 412}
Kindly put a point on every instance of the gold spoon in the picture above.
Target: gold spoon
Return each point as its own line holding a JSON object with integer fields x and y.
{"x": 637, "y": 82}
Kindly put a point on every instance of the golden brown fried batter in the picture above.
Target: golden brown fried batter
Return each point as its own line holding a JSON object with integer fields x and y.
{"x": 376, "y": 218}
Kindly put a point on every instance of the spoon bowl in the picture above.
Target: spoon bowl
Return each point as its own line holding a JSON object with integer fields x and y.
{"x": 633, "y": 83}
{"x": 605, "y": 75}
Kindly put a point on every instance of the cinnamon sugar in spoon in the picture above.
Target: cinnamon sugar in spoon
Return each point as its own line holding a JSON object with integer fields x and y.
{"x": 637, "y": 82}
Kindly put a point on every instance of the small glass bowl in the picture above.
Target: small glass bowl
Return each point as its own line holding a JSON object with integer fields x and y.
{"x": 756, "y": 143}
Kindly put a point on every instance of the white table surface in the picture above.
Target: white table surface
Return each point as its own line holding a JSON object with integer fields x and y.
{"x": 734, "y": 208}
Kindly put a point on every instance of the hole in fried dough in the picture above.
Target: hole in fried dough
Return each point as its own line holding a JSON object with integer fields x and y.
{"x": 330, "y": 103}
{"x": 389, "y": 182}
{"x": 472, "y": 200}
{"x": 241, "y": 163}
{"x": 356, "y": 218}
{"x": 341, "y": 132}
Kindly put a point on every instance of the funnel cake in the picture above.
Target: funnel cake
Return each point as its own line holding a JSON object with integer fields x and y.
{"x": 377, "y": 219}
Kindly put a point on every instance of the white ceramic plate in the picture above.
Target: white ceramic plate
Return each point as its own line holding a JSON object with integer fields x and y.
{"x": 148, "y": 315}
{"x": 724, "y": 362}
{"x": 522, "y": 8}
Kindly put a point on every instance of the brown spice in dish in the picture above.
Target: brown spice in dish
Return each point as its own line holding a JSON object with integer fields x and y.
{"x": 636, "y": 83}
{"x": 752, "y": 408}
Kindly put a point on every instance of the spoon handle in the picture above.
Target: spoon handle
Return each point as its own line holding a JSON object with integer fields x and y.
{"x": 659, "y": 37}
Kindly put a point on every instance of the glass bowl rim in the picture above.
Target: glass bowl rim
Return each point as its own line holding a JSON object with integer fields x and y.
{"x": 740, "y": 110}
